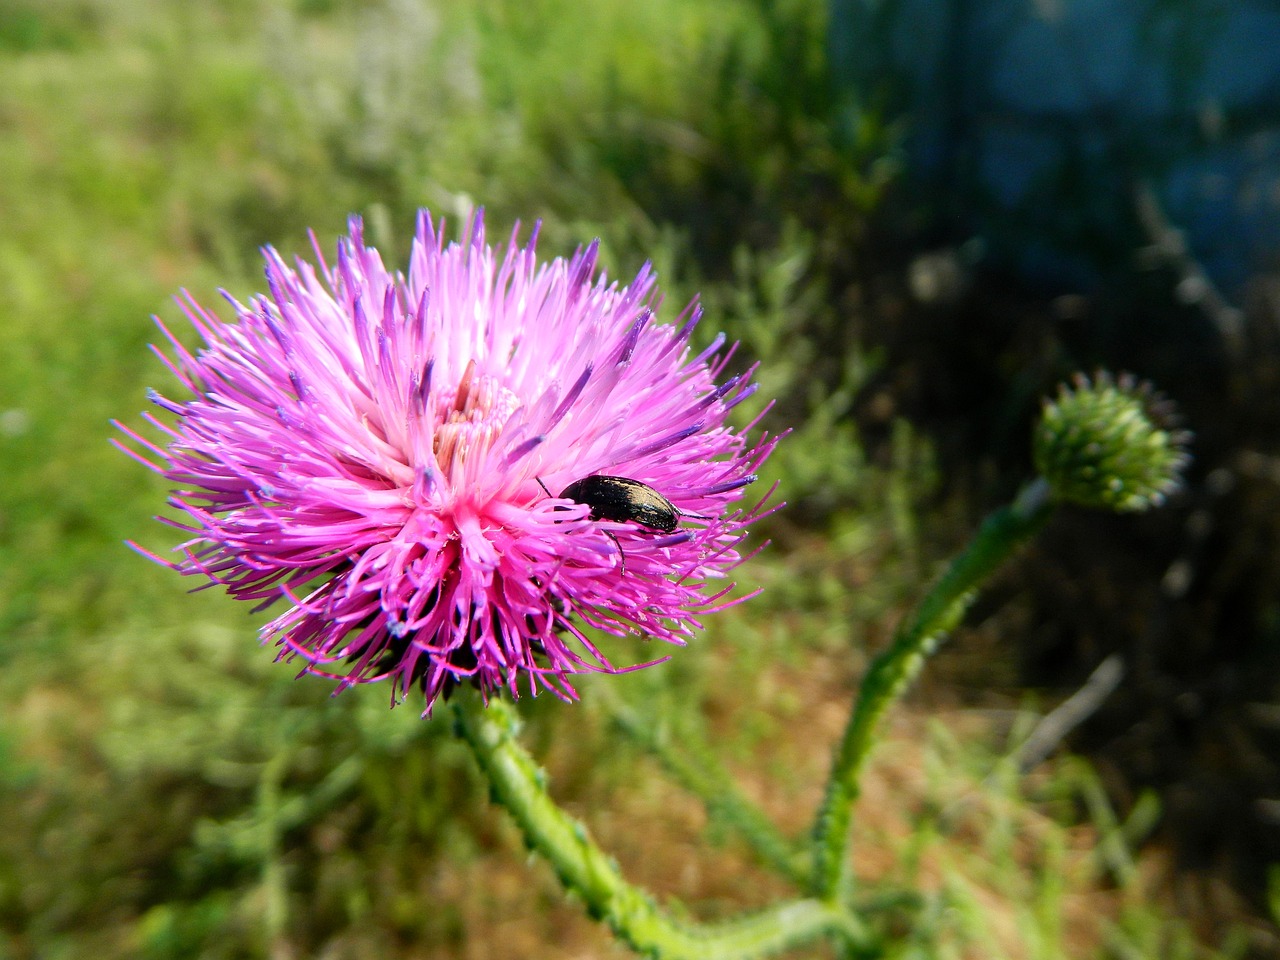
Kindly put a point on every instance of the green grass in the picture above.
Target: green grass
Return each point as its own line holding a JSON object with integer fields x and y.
{"x": 166, "y": 790}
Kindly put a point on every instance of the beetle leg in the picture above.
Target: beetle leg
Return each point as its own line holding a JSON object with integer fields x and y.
{"x": 622, "y": 564}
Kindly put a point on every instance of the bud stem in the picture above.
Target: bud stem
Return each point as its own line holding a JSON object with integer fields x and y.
{"x": 893, "y": 669}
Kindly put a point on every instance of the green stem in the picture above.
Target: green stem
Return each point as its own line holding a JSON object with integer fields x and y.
{"x": 519, "y": 785}
{"x": 892, "y": 671}
{"x": 276, "y": 908}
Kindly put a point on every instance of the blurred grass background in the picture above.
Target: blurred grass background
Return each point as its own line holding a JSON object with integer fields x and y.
{"x": 168, "y": 792}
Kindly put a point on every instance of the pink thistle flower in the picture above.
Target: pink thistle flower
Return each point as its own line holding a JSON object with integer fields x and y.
{"x": 379, "y": 451}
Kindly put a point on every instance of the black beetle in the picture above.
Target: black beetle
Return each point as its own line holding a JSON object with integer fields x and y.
{"x": 622, "y": 499}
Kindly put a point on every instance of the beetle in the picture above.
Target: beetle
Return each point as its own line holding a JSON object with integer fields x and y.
{"x": 622, "y": 499}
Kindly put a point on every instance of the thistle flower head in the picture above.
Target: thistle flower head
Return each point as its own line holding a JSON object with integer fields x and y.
{"x": 1110, "y": 443}
{"x": 381, "y": 452}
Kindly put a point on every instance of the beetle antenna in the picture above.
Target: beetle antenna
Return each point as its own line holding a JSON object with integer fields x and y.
{"x": 544, "y": 488}
{"x": 686, "y": 513}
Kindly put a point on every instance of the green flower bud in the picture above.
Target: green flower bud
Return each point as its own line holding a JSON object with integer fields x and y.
{"x": 1110, "y": 443}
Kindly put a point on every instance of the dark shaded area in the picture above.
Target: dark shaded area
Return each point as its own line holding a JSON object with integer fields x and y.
{"x": 1052, "y": 158}
{"x": 1189, "y": 595}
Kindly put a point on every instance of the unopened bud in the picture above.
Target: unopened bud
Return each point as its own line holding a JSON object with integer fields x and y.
{"x": 1110, "y": 443}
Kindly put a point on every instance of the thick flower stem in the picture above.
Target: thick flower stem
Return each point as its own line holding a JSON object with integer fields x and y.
{"x": 892, "y": 671}
{"x": 519, "y": 785}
